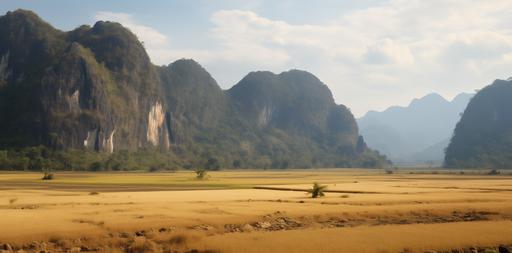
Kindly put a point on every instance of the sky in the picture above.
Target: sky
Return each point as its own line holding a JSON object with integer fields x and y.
{"x": 371, "y": 53}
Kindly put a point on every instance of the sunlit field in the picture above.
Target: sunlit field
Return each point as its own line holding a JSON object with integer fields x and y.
{"x": 257, "y": 211}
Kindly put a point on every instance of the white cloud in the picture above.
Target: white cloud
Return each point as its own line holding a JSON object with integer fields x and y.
{"x": 371, "y": 58}
{"x": 379, "y": 56}
{"x": 387, "y": 51}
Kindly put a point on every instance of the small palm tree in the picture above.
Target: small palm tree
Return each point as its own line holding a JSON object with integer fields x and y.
{"x": 317, "y": 190}
{"x": 201, "y": 174}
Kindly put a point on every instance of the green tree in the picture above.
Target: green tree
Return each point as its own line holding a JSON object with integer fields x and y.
{"x": 96, "y": 166}
{"x": 212, "y": 164}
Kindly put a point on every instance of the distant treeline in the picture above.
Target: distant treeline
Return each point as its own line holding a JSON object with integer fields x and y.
{"x": 41, "y": 158}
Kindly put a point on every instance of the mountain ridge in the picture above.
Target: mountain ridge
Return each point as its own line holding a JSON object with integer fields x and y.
{"x": 403, "y": 133}
{"x": 95, "y": 88}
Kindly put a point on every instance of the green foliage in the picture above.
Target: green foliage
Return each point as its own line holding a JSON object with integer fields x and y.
{"x": 483, "y": 136}
{"x": 317, "y": 190}
{"x": 41, "y": 158}
{"x": 212, "y": 164}
{"x": 201, "y": 174}
{"x": 96, "y": 166}
{"x": 100, "y": 79}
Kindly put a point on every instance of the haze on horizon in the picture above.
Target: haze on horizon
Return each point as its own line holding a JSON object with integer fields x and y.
{"x": 371, "y": 54}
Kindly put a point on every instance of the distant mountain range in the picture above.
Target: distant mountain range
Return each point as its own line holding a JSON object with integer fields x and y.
{"x": 417, "y": 133}
{"x": 95, "y": 89}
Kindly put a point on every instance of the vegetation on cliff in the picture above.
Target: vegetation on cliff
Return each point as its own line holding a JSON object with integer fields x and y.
{"x": 483, "y": 136}
{"x": 91, "y": 96}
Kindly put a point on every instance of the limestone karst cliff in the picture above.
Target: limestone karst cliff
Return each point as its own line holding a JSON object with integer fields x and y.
{"x": 483, "y": 136}
{"x": 95, "y": 88}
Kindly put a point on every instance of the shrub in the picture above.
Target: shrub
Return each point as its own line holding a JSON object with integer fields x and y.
{"x": 494, "y": 172}
{"x": 317, "y": 190}
{"x": 95, "y": 166}
{"x": 47, "y": 176}
{"x": 153, "y": 168}
{"x": 212, "y": 164}
{"x": 201, "y": 174}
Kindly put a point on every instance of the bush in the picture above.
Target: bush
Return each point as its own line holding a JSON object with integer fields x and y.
{"x": 493, "y": 172}
{"x": 153, "y": 168}
{"x": 95, "y": 166}
{"x": 317, "y": 190}
{"x": 47, "y": 176}
{"x": 212, "y": 164}
{"x": 201, "y": 174}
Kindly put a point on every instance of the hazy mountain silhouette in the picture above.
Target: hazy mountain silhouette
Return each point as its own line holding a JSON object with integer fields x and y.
{"x": 416, "y": 133}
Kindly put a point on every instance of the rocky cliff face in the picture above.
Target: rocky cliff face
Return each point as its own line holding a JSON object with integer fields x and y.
{"x": 296, "y": 102}
{"x": 91, "y": 87}
{"x": 95, "y": 88}
{"x": 483, "y": 136}
{"x": 297, "y": 120}
{"x": 194, "y": 101}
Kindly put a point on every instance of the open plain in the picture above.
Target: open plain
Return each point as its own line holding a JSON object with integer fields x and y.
{"x": 257, "y": 211}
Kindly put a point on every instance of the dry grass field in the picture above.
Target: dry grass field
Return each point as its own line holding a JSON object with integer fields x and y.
{"x": 368, "y": 211}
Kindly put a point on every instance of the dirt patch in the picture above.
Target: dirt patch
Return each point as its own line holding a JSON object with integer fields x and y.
{"x": 90, "y": 222}
{"x": 279, "y": 221}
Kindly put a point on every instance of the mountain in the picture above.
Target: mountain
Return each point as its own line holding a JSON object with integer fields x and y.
{"x": 94, "y": 89}
{"x": 293, "y": 116}
{"x": 483, "y": 136}
{"x": 432, "y": 154}
{"x": 415, "y": 133}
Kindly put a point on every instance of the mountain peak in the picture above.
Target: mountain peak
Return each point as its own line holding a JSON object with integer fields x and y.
{"x": 192, "y": 71}
{"x": 432, "y": 98}
{"x": 26, "y": 18}
{"x": 481, "y": 136}
{"x": 403, "y": 133}
{"x": 464, "y": 97}
{"x": 103, "y": 25}
{"x": 23, "y": 14}
{"x": 187, "y": 63}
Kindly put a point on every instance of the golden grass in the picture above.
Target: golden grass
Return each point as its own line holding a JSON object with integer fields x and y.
{"x": 68, "y": 207}
{"x": 389, "y": 238}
